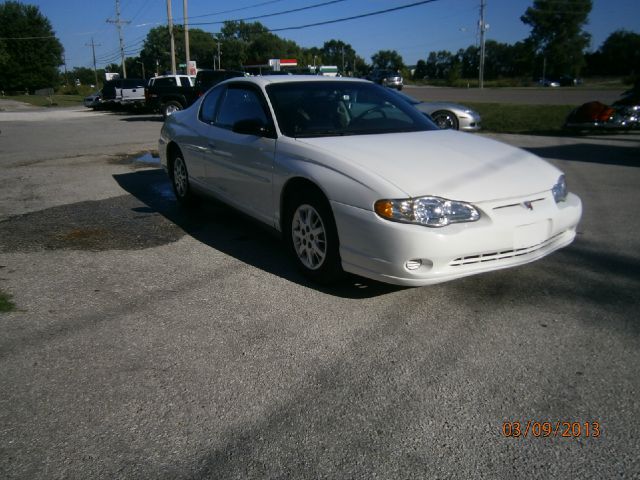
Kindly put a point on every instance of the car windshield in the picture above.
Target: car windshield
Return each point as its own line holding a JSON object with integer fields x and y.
{"x": 325, "y": 109}
{"x": 406, "y": 98}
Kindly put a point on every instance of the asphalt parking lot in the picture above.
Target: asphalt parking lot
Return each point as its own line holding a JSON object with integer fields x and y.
{"x": 153, "y": 342}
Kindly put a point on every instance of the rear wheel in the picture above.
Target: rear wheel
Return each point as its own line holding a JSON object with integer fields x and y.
{"x": 170, "y": 107}
{"x": 312, "y": 237}
{"x": 180, "y": 180}
{"x": 445, "y": 119}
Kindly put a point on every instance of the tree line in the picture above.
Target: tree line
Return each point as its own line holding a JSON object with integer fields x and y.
{"x": 30, "y": 54}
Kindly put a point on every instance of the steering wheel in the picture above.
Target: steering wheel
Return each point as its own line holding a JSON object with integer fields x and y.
{"x": 375, "y": 109}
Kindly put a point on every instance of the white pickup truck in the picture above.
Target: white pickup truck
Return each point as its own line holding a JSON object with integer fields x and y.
{"x": 123, "y": 92}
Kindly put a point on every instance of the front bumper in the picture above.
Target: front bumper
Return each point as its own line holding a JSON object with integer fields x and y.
{"x": 508, "y": 234}
{"x": 469, "y": 122}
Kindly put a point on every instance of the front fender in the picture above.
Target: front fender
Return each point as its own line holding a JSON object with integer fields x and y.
{"x": 340, "y": 181}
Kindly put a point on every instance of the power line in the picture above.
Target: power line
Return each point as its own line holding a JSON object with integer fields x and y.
{"x": 27, "y": 38}
{"x": 257, "y": 17}
{"x": 216, "y": 13}
{"x": 371, "y": 14}
{"x": 235, "y": 9}
{"x": 144, "y": 6}
{"x": 116, "y": 52}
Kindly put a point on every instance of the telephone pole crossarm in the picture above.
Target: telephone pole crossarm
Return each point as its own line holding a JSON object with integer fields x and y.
{"x": 118, "y": 23}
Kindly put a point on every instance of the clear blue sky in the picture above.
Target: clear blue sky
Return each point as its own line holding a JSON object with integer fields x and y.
{"x": 413, "y": 32}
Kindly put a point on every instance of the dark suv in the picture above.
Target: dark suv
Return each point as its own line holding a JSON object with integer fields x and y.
{"x": 205, "y": 79}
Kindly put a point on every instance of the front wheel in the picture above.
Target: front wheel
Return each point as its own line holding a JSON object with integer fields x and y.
{"x": 445, "y": 120}
{"x": 312, "y": 237}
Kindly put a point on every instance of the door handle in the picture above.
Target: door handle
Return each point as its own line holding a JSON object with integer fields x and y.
{"x": 212, "y": 145}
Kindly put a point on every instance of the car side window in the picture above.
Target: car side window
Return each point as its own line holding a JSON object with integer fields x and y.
{"x": 241, "y": 103}
{"x": 208, "y": 107}
{"x": 165, "y": 82}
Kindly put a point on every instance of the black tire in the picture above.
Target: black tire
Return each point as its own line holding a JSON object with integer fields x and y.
{"x": 446, "y": 119}
{"x": 169, "y": 108}
{"x": 312, "y": 237}
{"x": 180, "y": 180}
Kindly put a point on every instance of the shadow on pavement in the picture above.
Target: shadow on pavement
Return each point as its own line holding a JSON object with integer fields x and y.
{"x": 591, "y": 153}
{"x": 235, "y": 234}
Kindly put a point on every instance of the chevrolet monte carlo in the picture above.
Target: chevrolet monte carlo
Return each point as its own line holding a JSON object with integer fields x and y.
{"x": 355, "y": 179}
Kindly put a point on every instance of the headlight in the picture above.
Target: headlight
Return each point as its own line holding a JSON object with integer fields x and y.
{"x": 559, "y": 190}
{"x": 428, "y": 211}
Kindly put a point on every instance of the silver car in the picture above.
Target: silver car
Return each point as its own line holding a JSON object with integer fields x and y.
{"x": 93, "y": 100}
{"x": 447, "y": 115}
{"x": 387, "y": 78}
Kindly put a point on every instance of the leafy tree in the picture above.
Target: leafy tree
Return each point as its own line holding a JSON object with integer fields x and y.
{"x": 387, "y": 60}
{"x": 4, "y": 55}
{"x": 557, "y": 33}
{"x": 31, "y": 63}
{"x": 337, "y": 52}
{"x": 156, "y": 50}
{"x": 86, "y": 75}
{"x": 113, "y": 67}
{"x": 420, "y": 71}
{"x": 470, "y": 61}
{"x": 236, "y": 38}
{"x": 439, "y": 64}
{"x": 621, "y": 54}
{"x": 247, "y": 32}
{"x": 269, "y": 46}
{"x": 523, "y": 58}
{"x": 310, "y": 56}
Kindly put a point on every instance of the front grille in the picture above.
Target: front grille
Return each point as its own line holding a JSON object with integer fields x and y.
{"x": 502, "y": 255}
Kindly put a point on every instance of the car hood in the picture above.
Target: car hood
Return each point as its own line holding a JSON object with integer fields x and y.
{"x": 445, "y": 163}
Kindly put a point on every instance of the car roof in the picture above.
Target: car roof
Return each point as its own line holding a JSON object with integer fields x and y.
{"x": 276, "y": 79}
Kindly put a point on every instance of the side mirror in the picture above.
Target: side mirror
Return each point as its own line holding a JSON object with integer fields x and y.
{"x": 251, "y": 126}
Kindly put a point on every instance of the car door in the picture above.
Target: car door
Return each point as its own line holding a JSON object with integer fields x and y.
{"x": 197, "y": 143}
{"x": 132, "y": 90}
{"x": 241, "y": 150}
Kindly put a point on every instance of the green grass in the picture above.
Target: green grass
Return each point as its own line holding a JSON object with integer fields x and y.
{"x": 6, "y": 305}
{"x": 56, "y": 100}
{"x": 511, "y": 118}
{"x": 496, "y": 117}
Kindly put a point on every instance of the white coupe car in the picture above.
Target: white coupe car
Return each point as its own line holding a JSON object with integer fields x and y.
{"x": 357, "y": 180}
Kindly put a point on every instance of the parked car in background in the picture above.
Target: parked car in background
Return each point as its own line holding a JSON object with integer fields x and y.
{"x": 358, "y": 180}
{"x": 624, "y": 114}
{"x": 446, "y": 114}
{"x": 94, "y": 100}
{"x": 205, "y": 79}
{"x": 549, "y": 82}
{"x": 168, "y": 94}
{"x": 386, "y": 78}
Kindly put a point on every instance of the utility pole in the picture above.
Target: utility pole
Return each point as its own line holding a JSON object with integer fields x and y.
{"x": 64, "y": 61}
{"x": 93, "y": 46}
{"x": 219, "y": 65}
{"x": 118, "y": 22}
{"x": 173, "y": 43}
{"x": 186, "y": 33}
{"x": 483, "y": 28}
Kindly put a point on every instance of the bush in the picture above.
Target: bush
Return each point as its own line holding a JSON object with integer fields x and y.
{"x": 82, "y": 90}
